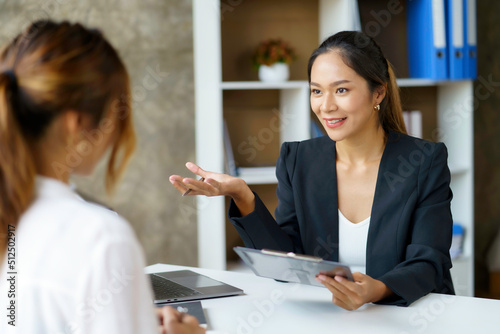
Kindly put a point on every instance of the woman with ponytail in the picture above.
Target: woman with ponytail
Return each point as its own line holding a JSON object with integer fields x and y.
{"x": 64, "y": 102}
{"x": 366, "y": 194}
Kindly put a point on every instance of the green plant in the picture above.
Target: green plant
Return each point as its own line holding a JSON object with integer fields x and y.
{"x": 273, "y": 51}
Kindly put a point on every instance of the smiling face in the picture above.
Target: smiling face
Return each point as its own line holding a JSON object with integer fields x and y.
{"x": 342, "y": 100}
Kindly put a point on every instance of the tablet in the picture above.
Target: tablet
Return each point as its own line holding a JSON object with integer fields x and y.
{"x": 290, "y": 267}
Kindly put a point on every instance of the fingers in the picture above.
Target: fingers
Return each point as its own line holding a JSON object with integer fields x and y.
{"x": 190, "y": 320}
{"x": 335, "y": 287}
{"x": 200, "y": 187}
{"x": 214, "y": 185}
{"x": 190, "y": 189}
{"x": 196, "y": 169}
{"x": 159, "y": 314}
{"x": 358, "y": 277}
{"x": 195, "y": 187}
{"x": 210, "y": 184}
{"x": 176, "y": 181}
{"x": 169, "y": 315}
{"x": 342, "y": 284}
{"x": 339, "y": 302}
{"x": 179, "y": 182}
{"x": 345, "y": 293}
{"x": 178, "y": 322}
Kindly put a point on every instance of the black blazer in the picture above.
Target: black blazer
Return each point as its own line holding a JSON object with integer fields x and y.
{"x": 410, "y": 227}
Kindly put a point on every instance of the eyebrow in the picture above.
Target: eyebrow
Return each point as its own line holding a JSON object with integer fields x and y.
{"x": 333, "y": 84}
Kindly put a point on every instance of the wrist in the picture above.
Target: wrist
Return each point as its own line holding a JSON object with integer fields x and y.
{"x": 244, "y": 198}
{"x": 382, "y": 292}
{"x": 241, "y": 192}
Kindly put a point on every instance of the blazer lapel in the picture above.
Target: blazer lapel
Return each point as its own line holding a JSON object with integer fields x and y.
{"x": 322, "y": 200}
{"x": 381, "y": 235}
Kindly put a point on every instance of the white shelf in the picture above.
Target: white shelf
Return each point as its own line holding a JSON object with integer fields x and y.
{"x": 454, "y": 113}
{"x": 457, "y": 170}
{"x": 295, "y": 84}
{"x": 237, "y": 85}
{"x": 415, "y": 82}
{"x": 258, "y": 175}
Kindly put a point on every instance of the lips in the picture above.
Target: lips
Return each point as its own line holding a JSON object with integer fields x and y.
{"x": 334, "y": 122}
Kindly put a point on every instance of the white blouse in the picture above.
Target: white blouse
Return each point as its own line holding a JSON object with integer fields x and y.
{"x": 352, "y": 243}
{"x": 80, "y": 269}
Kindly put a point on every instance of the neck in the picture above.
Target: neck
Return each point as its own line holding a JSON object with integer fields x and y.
{"x": 50, "y": 162}
{"x": 364, "y": 148}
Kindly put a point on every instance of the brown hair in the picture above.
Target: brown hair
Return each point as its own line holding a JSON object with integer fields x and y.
{"x": 363, "y": 55}
{"x": 46, "y": 70}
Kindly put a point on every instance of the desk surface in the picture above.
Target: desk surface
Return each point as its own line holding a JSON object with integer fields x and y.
{"x": 272, "y": 307}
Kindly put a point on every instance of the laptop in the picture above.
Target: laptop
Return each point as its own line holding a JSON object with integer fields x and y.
{"x": 183, "y": 285}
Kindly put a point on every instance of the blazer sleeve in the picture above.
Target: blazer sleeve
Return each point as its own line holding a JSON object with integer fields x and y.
{"x": 427, "y": 263}
{"x": 259, "y": 229}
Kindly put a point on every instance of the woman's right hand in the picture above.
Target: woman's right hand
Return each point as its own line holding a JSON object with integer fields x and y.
{"x": 216, "y": 184}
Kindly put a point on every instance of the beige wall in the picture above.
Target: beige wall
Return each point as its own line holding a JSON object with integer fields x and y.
{"x": 154, "y": 37}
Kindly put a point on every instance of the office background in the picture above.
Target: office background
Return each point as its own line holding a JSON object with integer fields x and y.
{"x": 155, "y": 40}
{"x": 154, "y": 37}
{"x": 487, "y": 141}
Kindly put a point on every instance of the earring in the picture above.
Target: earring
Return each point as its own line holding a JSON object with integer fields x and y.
{"x": 377, "y": 107}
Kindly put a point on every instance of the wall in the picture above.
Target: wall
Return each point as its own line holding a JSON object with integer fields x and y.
{"x": 154, "y": 37}
{"x": 487, "y": 137}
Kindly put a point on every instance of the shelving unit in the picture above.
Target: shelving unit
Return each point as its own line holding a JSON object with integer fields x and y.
{"x": 226, "y": 88}
{"x": 293, "y": 100}
{"x": 267, "y": 176}
{"x": 242, "y": 85}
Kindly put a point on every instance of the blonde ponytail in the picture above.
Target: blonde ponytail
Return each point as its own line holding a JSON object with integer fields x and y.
{"x": 17, "y": 170}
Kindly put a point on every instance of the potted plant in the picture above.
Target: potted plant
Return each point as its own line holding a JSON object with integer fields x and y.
{"x": 272, "y": 58}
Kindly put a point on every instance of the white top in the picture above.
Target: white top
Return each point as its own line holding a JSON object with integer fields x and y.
{"x": 79, "y": 267}
{"x": 352, "y": 243}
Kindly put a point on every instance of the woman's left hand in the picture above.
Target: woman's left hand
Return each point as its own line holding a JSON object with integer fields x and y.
{"x": 352, "y": 295}
{"x": 172, "y": 321}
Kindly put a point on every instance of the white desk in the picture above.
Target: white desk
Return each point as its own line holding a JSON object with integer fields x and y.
{"x": 272, "y": 307}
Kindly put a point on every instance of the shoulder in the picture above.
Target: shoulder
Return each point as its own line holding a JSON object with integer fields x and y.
{"x": 310, "y": 147}
{"x": 405, "y": 141}
{"x": 408, "y": 158}
{"x": 76, "y": 225}
{"x": 96, "y": 216}
{"x": 304, "y": 152}
{"x": 416, "y": 150}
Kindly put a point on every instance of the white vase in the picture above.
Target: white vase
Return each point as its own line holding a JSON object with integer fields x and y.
{"x": 274, "y": 73}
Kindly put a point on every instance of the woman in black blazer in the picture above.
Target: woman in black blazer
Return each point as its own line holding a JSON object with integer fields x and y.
{"x": 366, "y": 166}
